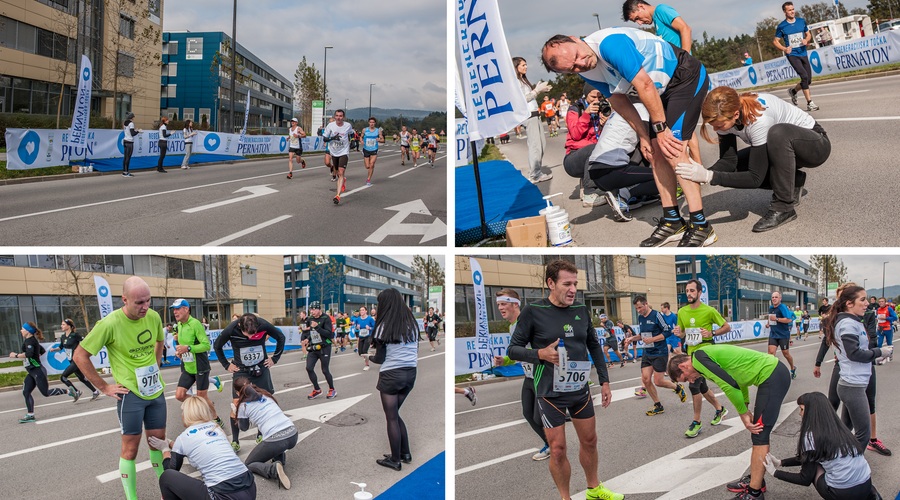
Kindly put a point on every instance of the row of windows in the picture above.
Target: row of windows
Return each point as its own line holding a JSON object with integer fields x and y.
{"x": 465, "y": 300}
{"x": 22, "y": 95}
{"x": 33, "y": 40}
{"x": 374, "y": 261}
{"x": 141, "y": 265}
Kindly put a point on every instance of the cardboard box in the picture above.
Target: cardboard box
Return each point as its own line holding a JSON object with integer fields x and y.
{"x": 527, "y": 232}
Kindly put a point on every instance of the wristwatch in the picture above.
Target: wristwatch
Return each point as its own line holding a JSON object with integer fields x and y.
{"x": 659, "y": 127}
{"x": 189, "y": 349}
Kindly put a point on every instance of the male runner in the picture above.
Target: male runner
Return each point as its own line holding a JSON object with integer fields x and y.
{"x": 563, "y": 388}
{"x": 779, "y": 325}
{"x": 823, "y": 310}
{"x": 734, "y": 369}
{"x": 248, "y": 335}
{"x": 654, "y": 331}
{"x": 432, "y": 140}
{"x": 193, "y": 349}
{"x": 695, "y": 327}
{"x": 372, "y": 136}
{"x": 672, "y": 320}
{"x": 791, "y": 37}
{"x": 317, "y": 338}
{"x": 404, "y": 145}
{"x": 611, "y": 341}
{"x": 365, "y": 324}
{"x": 431, "y": 327}
{"x": 295, "y": 147}
{"x": 133, "y": 337}
{"x": 337, "y": 137}
{"x": 886, "y": 318}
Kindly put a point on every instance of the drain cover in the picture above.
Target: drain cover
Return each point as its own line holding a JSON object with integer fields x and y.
{"x": 342, "y": 420}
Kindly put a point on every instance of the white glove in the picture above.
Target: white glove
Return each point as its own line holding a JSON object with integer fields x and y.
{"x": 159, "y": 444}
{"x": 693, "y": 171}
{"x": 542, "y": 87}
{"x": 887, "y": 351}
{"x": 771, "y": 464}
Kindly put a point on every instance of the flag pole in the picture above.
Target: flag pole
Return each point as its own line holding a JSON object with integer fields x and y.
{"x": 478, "y": 190}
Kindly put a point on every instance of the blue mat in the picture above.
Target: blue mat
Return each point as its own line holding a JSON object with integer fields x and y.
{"x": 507, "y": 195}
{"x": 425, "y": 482}
{"x": 148, "y": 162}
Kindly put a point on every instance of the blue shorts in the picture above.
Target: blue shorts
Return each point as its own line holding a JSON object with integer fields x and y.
{"x": 673, "y": 341}
{"x": 137, "y": 414}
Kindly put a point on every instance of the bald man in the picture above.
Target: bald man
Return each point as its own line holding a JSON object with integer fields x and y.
{"x": 134, "y": 338}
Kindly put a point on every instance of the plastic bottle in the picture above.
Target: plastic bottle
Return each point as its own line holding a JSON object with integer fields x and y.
{"x": 563, "y": 357}
{"x": 362, "y": 494}
{"x": 558, "y": 229}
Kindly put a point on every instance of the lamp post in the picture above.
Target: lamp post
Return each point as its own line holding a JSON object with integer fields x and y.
{"x": 598, "y": 20}
{"x": 233, "y": 60}
{"x": 370, "y": 99}
{"x": 325, "y": 87}
{"x": 345, "y": 104}
{"x": 883, "y": 265}
{"x": 864, "y": 283}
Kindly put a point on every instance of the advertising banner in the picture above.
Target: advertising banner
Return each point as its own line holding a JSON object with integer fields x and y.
{"x": 81, "y": 116}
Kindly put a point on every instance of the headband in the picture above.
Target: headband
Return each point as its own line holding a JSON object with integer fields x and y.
{"x": 28, "y": 328}
{"x": 511, "y": 300}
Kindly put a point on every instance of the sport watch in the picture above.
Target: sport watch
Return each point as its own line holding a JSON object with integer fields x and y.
{"x": 659, "y": 127}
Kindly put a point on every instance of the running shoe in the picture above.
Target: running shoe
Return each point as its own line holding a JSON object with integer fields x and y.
{"x": 337, "y": 199}
{"x": 333, "y": 178}
{"x": 679, "y": 389}
{"x": 656, "y": 410}
{"x": 602, "y": 493}
{"x": 793, "y": 373}
{"x": 185, "y": 167}
{"x": 314, "y": 394}
{"x": 640, "y": 392}
{"x": 236, "y": 446}
{"x": 290, "y": 175}
{"x": 793, "y": 93}
{"x": 720, "y": 414}
{"x": 593, "y": 200}
{"x": 878, "y": 447}
{"x": 470, "y": 395}
{"x": 331, "y": 394}
{"x": 218, "y": 383}
{"x": 95, "y": 395}
{"x": 283, "y": 480}
{"x": 27, "y": 418}
{"x": 693, "y": 430}
{"x": 542, "y": 178}
{"x": 679, "y": 193}
{"x": 127, "y": 174}
{"x": 811, "y": 106}
{"x": 258, "y": 437}
{"x": 745, "y": 495}
{"x": 71, "y": 392}
{"x": 619, "y": 206}
{"x": 302, "y": 163}
{"x": 366, "y": 368}
{"x": 220, "y": 423}
{"x": 698, "y": 236}
{"x": 544, "y": 454}
{"x": 76, "y": 396}
{"x": 368, "y": 183}
{"x": 344, "y": 187}
{"x": 743, "y": 484}
{"x": 665, "y": 232}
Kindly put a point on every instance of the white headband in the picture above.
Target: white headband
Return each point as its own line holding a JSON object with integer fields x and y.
{"x": 511, "y": 300}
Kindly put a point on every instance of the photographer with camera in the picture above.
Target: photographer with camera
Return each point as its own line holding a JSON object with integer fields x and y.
{"x": 248, "y": 335}
{"x": 584, "y": 121}
{"x": 317, "y": 336}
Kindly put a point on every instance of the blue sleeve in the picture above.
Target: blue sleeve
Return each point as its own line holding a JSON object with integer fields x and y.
{"x": 665, "y": 13}
{"x": 786, "y": 313}
{"x": 622, "y": 54}
{"x": 779, "y": 31}
{"x": 805, "y": 27}
{"x": 893, "y": 315}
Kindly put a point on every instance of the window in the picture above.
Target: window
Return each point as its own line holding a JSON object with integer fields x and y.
{"x": 250, "y": 306}
{"x": 125, "y": 63}
{"x": 637, "y": 267}
{"x": 170, "y": 91}
{"x": 171, "y": 69}
{"x": 173, "y": 49}
{"x": 92, "y": 263}
{"x": 188, "y": 114}
{"x": 194, "y": 49}
{"x": 126, "y": 26}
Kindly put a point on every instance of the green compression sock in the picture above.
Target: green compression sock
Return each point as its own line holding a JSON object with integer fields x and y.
{"x": 156, "y": 461}
{"x": 129, "y": 480}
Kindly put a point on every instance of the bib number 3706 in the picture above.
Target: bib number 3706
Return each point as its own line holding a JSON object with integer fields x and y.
{"x": 573, "y": 378}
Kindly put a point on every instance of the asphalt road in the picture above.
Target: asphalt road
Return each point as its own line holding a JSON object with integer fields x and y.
{"x": 844, "y": 196}
{"x": 72, "y": 451}
{"x": 649, "y": 457}
{"x": 404, "y": 206}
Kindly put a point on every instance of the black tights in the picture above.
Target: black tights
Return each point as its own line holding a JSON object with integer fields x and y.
{"x": 324, "y": 355}
{"x": 396, "y": 429}
{"x": 530, "y": 410}
{"x": 73, "y": 369}
{"x": 37, "y": 377}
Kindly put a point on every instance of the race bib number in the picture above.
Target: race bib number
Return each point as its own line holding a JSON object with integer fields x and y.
{"x": 796, "y": 40}
{"x": 529, "y": 370}
{"x": 574, "y": 378}
{"x": 148, "y": 380}
{"x": 364, "y": 332}
{"x": 70, "y": 353}
{"x": 315, "y": 337}
{"x": 370, "y": 143}
{"x": 645, "y": 338}
{"x": 252, "y": 355}
{"x": 692, "y": 336}
{"x": 187, "y": 357}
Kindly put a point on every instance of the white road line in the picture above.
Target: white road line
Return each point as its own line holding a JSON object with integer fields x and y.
{"x": 57, "y": 443}
{"x": 247, "y": 231}
{"x": 487, "y": 407}
{"x": 496, "y": 461}
{"x": 404, "y": 171}
{"x": 833, "y": 93}
{"x": 348, "y": 193}
{"x": 490, "y": 429}
{"x": 860, "y": 119}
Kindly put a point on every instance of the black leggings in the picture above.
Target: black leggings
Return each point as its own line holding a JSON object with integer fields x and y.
{"x": 312, "y": 356}
{"x": 396, "y": 429}
{"x": 37, "y": 377}
{"x": 637, "y": 178}
{"x": 801, "y": 66}
{"x": 129, "y": 149}
{"x": 790, "y": 149}
{"x": 832, "y": 389}
{"x": 261, "y": 460}
{"x": 175, "y": 485}
{"x": 530, "y": 409}
{"x": 73, "y": 369}
{"x": 163, "y": 146}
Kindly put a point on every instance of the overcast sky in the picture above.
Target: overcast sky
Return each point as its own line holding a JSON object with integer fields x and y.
{"x": 529, "y": 23}
{"x": 408, "y": 259}
{"x": 399, "y": 45}
{"x": 868, "y": 268}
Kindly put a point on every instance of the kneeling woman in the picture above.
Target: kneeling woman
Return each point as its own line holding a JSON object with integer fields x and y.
{"x": 782, "y": 138}
{"x": 276, "y": 429}
{"x": 206, "y": 446}
{"x": 828, "y": 455}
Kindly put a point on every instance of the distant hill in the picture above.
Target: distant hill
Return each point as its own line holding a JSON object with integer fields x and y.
{"x": 889, "y": 291}
{"x": 382, "y": 114}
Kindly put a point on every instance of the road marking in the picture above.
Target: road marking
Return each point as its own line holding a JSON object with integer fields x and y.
{"x": 496, "y": 460}
{"x": 247, "y": 231}
{"x": 490, "y": 429}
{"x": 833, "y": 93}
{"x": 395, "y": 225}
{"x": 860, "y": 119}
{"x": 58, "y": 443}
{"x": 413, "y": 168}
{"x": 255, "y": 192}
{"x": 488, "y": 407}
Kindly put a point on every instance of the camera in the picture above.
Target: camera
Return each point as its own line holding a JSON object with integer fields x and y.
{"x": 605, "y": 108}
{"x": 254, "y": 371}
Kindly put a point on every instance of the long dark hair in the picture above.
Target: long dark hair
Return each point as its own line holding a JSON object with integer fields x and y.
{"x": 516, "y": 60}
{"x": 395, "y": 323}
{"x": 845, "y": 296}
{"x": 830, "y": 437}
{"x": 248, "y": 392}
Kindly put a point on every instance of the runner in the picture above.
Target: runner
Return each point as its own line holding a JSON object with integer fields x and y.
{"x": 36, "y": 373}
{"x": 301, "y": 324}
{"x": 432, "y": 140}
{"x": 68, "y": 343}
{"x": 886, "y": 318}
{"x": 248, "y": 335}
{"x": 404, "y": 145}
{"x": 193, "y": 349}
{"x": 549, "y": 112}
{"x": 672, "y": 320}
{"x": 654, "y": 331}
{"x": 372, "y": 136}
{"x": 791, "y": 37}
{"x": 560, "y": 322}
{"x": 611, "y": 341}
{"x": 257, "y": 406}
{"x": 337, "y": 137}
{"x": 804, "y": 323}
{"x": 734, "y": 369}
{"x": 631, "y": 340}
{"x": 414, "y": 145}
{"x": 695, "y": 327}
{"x": 364, "y": 326}
{"x": 295, "y": 147}
{"x": 318, "y": 338}
{"x": 469, "y": 392}
{"x": 133, "y": 337}
{"x": 431, "y": 327}
{"x": 340, "y": 331}
{"x": 780, "y": 320}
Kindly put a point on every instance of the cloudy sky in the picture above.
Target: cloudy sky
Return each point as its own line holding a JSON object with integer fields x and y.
{"x": 868, "y": 268}
{"x": 529, "y": 23}
{"x": 399, "y": 45}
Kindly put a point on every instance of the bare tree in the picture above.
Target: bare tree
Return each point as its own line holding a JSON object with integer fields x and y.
{"x": 428, "y": 272}
{"x": 326, "y": 274}
{"x": 722, "y": 269}
{"x": 130, "y": 52}
{"x": 62, "y": 43}
{"x": 827, "y": 269}
{"x": 73, "y": 281}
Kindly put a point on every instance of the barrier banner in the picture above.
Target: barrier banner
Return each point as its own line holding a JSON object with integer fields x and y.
{"x": 104, "y": 296}
{"x": 56, "y": 362}
{"x": 81, "y": 116}
{"x": 483, "y": 340}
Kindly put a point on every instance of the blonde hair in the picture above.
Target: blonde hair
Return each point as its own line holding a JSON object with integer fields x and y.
{"x": 722, "y": 102}
{"x": 196, "y": 410}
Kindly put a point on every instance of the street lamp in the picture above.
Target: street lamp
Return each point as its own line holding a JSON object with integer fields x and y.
{"x": 233, "y": 60}
{"x": 325, "y": 86}
{"x": 864, "y": 283}
{"x": 370, "y": 99}
{"x": 598, "y": 20}
{"x": 345, "y": 104}
{"x": 883, "y": 265}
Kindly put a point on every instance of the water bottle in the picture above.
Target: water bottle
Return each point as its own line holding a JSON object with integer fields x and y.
{"x": 362, "y": 494}
{"x": 563, "y": 357}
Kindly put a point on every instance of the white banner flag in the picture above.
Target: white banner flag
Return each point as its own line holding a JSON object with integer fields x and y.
{"x": 494, "y": 102}
{"x": 81, "y": 117}
{"x": 704, "y": 291}
{"x": 104, "y": 296}
{"x": 482, "y": 334}
{"x": 246, "y": 116}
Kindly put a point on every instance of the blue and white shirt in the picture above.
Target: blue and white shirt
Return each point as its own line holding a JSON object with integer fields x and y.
{"x": 266, "y": 415}
{"x": 650, "y": 326}
{"x": 206, "y": 446}
{"x": 622, "y": 53}
{"x": 792, "y": 35}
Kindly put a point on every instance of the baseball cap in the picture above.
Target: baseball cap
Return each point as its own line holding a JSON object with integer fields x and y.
{"x": 602, "y": 316}
{"x": 294, "y": 120}
{"x": 179, "y": 303}
{"x": 315, "y": 305}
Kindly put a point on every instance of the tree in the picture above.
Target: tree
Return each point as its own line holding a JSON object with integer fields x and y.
{"x": 821, "y": 11}
{"x": 308, "y": 86}
{"x": 882, "y": 10}
{"x": 222, "y": 272}
{"x": 573, "y": 85}
{"x": 62, "y": 41}
{"x": 220, "y": 68}
{"x": 722, "y": 271}
{"x": 326, "y": 274}
{"x": 827, "y": 269}
{"x": 73, "y": 281}
{"x": 428, "y": 272}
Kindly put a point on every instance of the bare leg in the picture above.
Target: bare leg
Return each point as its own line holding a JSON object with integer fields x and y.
{"x": 757, "y": 465}
{"x": 646, "y": 373}
{"x": 586, "y": 429}
{"x": 560, "y": 469}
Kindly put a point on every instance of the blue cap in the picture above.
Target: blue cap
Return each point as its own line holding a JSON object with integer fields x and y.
{"x": 179, "y": 303}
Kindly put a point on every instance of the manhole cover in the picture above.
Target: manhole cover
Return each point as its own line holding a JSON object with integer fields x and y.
{"x": 342, "y": 420}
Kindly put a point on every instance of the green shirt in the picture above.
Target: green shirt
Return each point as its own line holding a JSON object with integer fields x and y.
{"x": 131, "y": 345}
{"x": 704, "y": 317}
{"x": 734, "y": 369}
{"x": 193, "y": 334}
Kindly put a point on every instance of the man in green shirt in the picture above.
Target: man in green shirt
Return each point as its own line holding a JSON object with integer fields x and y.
{"x": 734, "y": 369}
{"x": 193, "y": 349}
{"x": 695, "y": 327}
{"x": 133, "y": 337}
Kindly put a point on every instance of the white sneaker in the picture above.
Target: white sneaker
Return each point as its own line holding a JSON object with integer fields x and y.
{"x": 542, "y": 178}
{"x": 366, "y": 368}
{"x": 811, "y": 106}
{"x": 544, "y": 454}
{"x": 593, "y": 200}
{"x": 185, "y": 167}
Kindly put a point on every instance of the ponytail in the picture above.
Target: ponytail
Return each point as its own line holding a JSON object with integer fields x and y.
{"x": 723, "y": 102}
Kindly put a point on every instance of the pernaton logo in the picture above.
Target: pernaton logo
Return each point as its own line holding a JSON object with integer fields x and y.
{"x": 569, "y": 331}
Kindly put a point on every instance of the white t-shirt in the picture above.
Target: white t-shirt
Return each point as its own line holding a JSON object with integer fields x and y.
{"x": 129, "y": 137}
{"x": 188, "y": 135}
{"x": 532, "y": 103}
{"x": 617, "y": 139}
{"x": 266, "y": 415}
{"x": 162, "y": 133}
{"x": 777, "y": 111}
{"x": 340, "y": 146}
{"x": 207, "y": 449}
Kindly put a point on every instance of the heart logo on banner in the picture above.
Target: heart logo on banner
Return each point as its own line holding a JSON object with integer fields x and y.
{"x": 283, "y": 144}
{"x": 28, "y": 149}
{"x": 212, "y": 142}
{"x": 120, "y": 142}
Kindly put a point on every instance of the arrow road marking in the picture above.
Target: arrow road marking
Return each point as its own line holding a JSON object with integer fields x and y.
{"x": 395, "y": 226}
{"x": 255, "y": 192}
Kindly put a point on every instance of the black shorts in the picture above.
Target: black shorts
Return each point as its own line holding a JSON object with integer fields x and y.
{"x": 802, "y": 68}
{"x": 684, "y": 96}
{"x": 296, "y": 151}
{"x": 548, "y": 119}
{"x": 769, "y": 398}
{"x": 136, "y": 414}
{"x": 698, "y": 386}
{"x": 658, "y": 363}
{"x": 553, "y": 410}
{"x": 341, "y": 334}
{"x": 264, "y": 381}
{"x": 433, "y": 149}
{"x": 367, "y": 153}
{"x": 432, "y": 333}
{"x": 362, "y": 347}
{"x": 397, "y": 381}
{"x": 340, "y": 161}
{"x": 186, "y": 380}
{"x": 784, "y": 344}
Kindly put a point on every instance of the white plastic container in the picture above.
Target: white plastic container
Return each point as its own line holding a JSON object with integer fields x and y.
{"x": 563, "y": 357}
{"x": 558, "y": 229}
{"x": 362, "y": 494}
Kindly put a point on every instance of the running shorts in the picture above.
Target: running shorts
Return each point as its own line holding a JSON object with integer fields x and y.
{"x": 296, "y": 151}
{"x": 186, "y": 380}
{"x": 553, "y": 410}
{"x": 367, "y": 153}
{"x": 362, "y": 347}
{"x": 658, "y": 363}
{"x": 769, "y": 398}
{"x": 782, "y": 343}
{"x": 698, "y": 386}
{"x": 684, "y": 96}
{"x": 432, "y": 333}
{"x": 397, "y": 381}
{"x": 137, "y": 414}
{"x": 340, "y": 161}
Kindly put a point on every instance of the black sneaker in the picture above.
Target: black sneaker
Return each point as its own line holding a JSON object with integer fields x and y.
{"x": 698, "y": 236}
{"x": 798, "y": 195}
{"x": 665, "y": 232}
{"x": 793, "y": 93}
{"x": 773, "y": 219}
{"x": 743, "y": 484}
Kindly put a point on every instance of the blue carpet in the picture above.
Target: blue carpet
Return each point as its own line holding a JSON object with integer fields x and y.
{"x": 149, "y": 162}
{"x": 425, "y": 482}
{"x": 507, "y": 195}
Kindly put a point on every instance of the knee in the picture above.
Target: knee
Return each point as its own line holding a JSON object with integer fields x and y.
{"x": 645, "y": 379}
{"x": 589, "y": 442}
{"x": 558, "y": 452}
